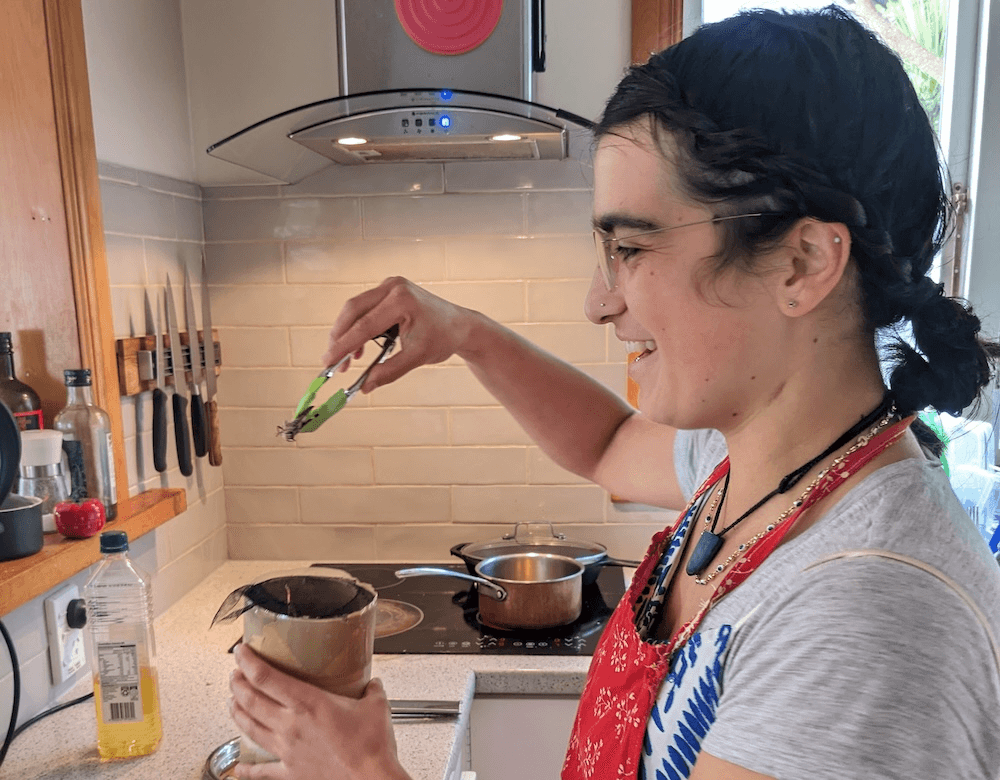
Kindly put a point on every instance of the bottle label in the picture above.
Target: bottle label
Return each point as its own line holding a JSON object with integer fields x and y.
{"x": 118, "y": 670}
{"x": 29, "y": 421}
{"x": 77, "y": 471}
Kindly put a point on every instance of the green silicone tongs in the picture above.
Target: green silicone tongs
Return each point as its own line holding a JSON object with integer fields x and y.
{"x": 308, "y": 417}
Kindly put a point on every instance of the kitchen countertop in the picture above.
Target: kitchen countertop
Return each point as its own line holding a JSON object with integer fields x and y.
{"x": 194, "y": 672}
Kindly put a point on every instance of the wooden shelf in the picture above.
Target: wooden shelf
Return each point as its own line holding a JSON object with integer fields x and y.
{"x": 25, "y": 578}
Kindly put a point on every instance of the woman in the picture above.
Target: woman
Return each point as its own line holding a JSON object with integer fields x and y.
{"x": 767, "y": 197}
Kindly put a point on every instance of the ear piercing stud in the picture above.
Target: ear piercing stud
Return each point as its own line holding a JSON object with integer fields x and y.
{"x": 792, "y": 304}
{"x": 836, "y": 239}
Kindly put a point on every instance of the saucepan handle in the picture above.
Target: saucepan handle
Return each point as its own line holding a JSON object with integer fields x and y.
{"x": 486, "y": 587}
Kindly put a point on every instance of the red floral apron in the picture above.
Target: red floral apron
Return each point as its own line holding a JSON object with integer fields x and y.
{"x": 626, "y": 672}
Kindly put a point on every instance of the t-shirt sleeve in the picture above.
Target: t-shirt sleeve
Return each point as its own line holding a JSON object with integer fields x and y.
{"x": 868, "y": 669}
{"x": 696, "y": 454}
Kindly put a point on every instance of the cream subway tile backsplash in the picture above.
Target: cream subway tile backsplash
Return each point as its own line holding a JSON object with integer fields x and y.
{"x": 450, "y": 465}
{"x": 408, "y": 470}
{"x": 557, "y": 301}
{"x": 367, "y": 262}
{"x": 404, "y": 504}
{"x": 255, "y": 347}
{"x": 270, "y": 219}
{"x": 399, "y": 179}
{"x": 172, "y": 257}
{"x": 273, "y": 304}
{"x": 263, "y": 387}
{"x": 517, "y": 175}
{"x": 245, "y": 263}
{"x": 302, "y": 542}
{"x": 529, "y": 503}
{"x": 263, "y": 505}
{"x": 558, "y": 212}
{"x": 429, "y": 542}
{"x": 125, "y": 260}
{"x": 550, "y": 257}
{"x": 134, "y": 210}
{"x": 444, "y": 215}
{"x": 295, "y": 466}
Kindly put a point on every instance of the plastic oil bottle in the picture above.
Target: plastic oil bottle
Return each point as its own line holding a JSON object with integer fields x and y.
{"x": 119, "y": 619}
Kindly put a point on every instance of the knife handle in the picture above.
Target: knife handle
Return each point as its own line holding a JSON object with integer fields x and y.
{"x": 159, "y": 429}
{"x": 214, "y": 442}
{"x": 181, "y": 435}
{"x": 198, "y": 430}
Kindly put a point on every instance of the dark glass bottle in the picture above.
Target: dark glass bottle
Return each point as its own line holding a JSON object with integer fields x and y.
{"x": 18, "y": 397}
{"x": 86, "y": 430}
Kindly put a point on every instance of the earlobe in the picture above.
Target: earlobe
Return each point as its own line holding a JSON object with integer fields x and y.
{"x": 819, "y": 255}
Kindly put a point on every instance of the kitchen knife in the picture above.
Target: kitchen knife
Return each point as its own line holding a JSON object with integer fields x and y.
{"x": 211, "y": 407}
{"x": 179, "y": 402}
{"x": 159, "y": 394}
{"x": 198, "y": 431}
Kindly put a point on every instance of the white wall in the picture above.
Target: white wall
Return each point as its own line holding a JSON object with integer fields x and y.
{"x": 137, "y": 85}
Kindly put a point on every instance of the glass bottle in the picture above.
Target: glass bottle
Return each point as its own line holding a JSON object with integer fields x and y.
{"x": 123, "y": 653}
{"x": 19, "y": 397}
{"x": 86, "y": 431}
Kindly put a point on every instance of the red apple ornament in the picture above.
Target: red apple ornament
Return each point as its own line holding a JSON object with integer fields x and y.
{"x": 79, "y": 521}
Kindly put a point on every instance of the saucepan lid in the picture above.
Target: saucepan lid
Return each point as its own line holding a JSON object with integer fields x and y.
{"x": 520, "y": 541}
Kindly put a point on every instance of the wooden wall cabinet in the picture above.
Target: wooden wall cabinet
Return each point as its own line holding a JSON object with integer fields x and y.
{"x": 55, "y": 294}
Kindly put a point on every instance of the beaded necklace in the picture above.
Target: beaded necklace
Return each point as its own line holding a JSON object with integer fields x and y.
{"x": 710, "y": 542}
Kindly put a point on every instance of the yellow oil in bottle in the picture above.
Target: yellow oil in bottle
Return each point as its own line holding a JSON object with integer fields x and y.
{"x": 125, "y": 738}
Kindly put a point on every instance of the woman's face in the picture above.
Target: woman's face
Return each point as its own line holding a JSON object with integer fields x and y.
{"x": 708, "y": 343}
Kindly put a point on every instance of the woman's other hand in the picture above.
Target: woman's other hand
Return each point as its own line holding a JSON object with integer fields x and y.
{"x": 430, "y": 329}
{"x": 314, "y": 733}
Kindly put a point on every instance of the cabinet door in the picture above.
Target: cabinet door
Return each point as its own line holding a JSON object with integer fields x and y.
{"x": 55, "y": 296}
{"x": 37, "y": 295}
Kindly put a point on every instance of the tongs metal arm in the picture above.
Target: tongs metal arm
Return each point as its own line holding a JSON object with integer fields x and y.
{"x": 307, "y": 417}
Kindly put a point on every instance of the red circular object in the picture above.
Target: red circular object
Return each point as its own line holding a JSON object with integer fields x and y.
{"x": 448, "y": 26}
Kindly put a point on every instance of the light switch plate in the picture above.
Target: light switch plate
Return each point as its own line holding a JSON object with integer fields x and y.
{"x": 66, "y": 653}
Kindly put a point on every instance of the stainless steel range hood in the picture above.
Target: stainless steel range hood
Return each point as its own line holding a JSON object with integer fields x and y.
{"x": 407, "y": 98}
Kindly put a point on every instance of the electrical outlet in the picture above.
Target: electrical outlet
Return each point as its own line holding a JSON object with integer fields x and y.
{"x": 66, "y": 653}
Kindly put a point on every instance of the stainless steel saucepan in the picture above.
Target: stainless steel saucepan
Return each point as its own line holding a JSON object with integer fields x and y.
{"x": 526, "y": 590}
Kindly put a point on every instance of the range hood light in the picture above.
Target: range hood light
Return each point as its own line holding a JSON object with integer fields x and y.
{"x": 505, "y": 137}
{"x": 352, "y": 141}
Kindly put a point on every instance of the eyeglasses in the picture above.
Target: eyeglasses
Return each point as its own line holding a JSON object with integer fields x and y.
{"x": 607, "y": 248}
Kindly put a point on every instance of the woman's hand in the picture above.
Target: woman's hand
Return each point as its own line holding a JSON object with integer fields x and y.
{"x": 314, "y": 733}
{"x": 430, "y": 328}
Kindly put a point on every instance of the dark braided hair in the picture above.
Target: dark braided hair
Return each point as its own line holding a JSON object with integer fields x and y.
{"x": 809, "y": 115}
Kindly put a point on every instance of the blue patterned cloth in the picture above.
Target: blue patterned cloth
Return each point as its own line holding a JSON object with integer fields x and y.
{"x": 685, "y": 707}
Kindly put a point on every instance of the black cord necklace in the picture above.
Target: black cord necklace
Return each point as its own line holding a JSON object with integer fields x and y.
{"x": 710, "y": 542}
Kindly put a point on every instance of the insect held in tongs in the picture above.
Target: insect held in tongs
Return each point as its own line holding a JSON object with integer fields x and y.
{"x": 308, "y": 417}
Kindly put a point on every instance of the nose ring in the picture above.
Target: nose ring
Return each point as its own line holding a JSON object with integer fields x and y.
{"x": 603, "y": 305}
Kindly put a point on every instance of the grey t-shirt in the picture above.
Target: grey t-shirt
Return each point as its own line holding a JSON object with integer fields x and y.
{"x": 861, "y": 667}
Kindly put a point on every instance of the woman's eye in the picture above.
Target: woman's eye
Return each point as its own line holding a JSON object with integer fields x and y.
{"x": 626, "y": 253}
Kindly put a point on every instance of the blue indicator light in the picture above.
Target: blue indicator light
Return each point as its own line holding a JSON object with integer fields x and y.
{"x": 445, "y": 121}
{"x": 446, "y": 94}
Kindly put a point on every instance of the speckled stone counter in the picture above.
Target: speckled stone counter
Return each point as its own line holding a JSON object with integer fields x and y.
{"x": 194, "y": 671}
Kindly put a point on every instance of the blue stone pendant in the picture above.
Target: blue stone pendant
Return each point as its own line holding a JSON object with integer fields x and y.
{"x": 706, "y": 549}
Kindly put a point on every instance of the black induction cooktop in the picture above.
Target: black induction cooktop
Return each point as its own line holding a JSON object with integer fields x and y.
{"x": 447, "y": 612}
